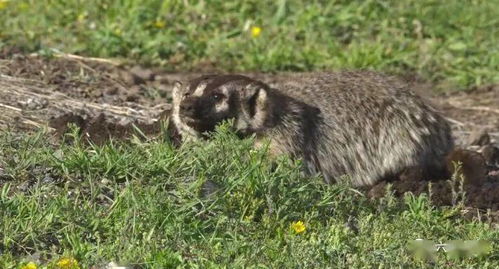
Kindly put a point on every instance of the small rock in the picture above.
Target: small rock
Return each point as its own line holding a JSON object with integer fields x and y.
{"x": 47, "y": 179}
{"x": 479, "y": 137}
{"x": 33, "y": 103}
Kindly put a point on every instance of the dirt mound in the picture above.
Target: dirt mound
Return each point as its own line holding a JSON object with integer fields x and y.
{"x": 106, "y": 99}
{"x": 90, "y": 80}
{"x": 100, "y": 128}
{"x": 103, "y": 99}
{"x": 474, "y": 181}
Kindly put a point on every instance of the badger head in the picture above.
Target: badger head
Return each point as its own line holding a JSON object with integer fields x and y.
{"x": 208, "y": 100}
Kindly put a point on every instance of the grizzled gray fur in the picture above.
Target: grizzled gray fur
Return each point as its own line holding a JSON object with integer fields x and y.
{"x": 362, "y": 124}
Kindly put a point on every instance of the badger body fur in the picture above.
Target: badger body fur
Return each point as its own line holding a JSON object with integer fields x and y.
{"x": 361, "y": 124}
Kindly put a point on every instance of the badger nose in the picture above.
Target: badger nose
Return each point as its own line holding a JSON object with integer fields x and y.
{"x": 186, "y": 107}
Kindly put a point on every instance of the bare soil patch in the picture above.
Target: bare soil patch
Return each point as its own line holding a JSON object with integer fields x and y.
{"x": 106, "y": 100}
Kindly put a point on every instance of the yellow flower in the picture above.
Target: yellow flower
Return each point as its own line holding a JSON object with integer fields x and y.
{"x": 23, "y": 6}
{"x": 256, "y": 31}
{"x": 29, "y": 265}
{"x": 159, "y": 24}
{"x": 82, "y": 16}
{"x": 298, "y": 227}
{"x": 67, "y": 263}
{"x": 3, "y": 3}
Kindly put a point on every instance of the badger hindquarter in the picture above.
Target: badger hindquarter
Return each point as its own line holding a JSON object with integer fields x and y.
{"x": 367, "y": 127}
{"x": 380, "y": 137}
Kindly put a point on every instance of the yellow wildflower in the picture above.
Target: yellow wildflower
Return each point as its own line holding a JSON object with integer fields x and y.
{"x": 159, "y": 24}
{"x": 3, "y": 3}
{"x": 23, "y": 6}
{"x": 298, "y": 227}
{"x": 67, "y": 263}
{"x": 82, "y": 16}
{"x": 256, "y": 31}
{"x": 29, "y": 265}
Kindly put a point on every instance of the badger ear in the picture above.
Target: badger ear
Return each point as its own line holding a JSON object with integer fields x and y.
{"x": 255, "y": 103}
{"x": 176, "y": 92}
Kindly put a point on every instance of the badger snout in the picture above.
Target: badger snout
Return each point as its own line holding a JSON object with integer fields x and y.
{"x": 188, "y": 108}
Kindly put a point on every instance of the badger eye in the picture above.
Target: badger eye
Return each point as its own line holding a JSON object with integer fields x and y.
{"x": 217, "y": 96}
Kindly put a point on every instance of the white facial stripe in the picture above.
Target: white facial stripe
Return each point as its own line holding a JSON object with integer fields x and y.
{"x": 200, "y": 89}
{"x": 188, "y": 133}
{"x": 176, "y": 100}
{"x": 260, "y": 109}
{"x": 222, "y": 106}
{"x": 177, "y": 93}
{"x": 224, "y": 90}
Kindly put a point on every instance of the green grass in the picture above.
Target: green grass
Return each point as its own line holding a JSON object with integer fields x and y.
{"x": 141, "y": 203}
{"x": 452, "y": 43}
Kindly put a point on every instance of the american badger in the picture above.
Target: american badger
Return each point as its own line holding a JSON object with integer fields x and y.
{"x": 361, "y": 124}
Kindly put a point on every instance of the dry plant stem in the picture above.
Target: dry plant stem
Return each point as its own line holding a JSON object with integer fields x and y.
{"x": 477, "y": 108}
{"x": 14, "y": 89}
{"x": 92, "y": 59}
{"x": 457, "y": 180}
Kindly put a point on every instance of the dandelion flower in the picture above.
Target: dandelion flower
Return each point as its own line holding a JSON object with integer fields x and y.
{"x": 256, "y": 31}
{"x": 23, "y": 6}
{"x": 81, "y": 17}
{"x": 3, "y": 3}
{"x": 67, "y": 263}
{"x": 29, "y": 265}
{"x": 159, "y": 24}
{"x": 298, "y": 227}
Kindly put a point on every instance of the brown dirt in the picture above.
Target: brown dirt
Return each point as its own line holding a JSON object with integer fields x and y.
{"x": 108, "y": 100}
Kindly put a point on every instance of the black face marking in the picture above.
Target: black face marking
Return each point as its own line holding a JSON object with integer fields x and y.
{"x": 218, "y": 81}
{"x": 193, "y": 84}
{"x": 200, "y": 112}
{"x": 252, "y": 104}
